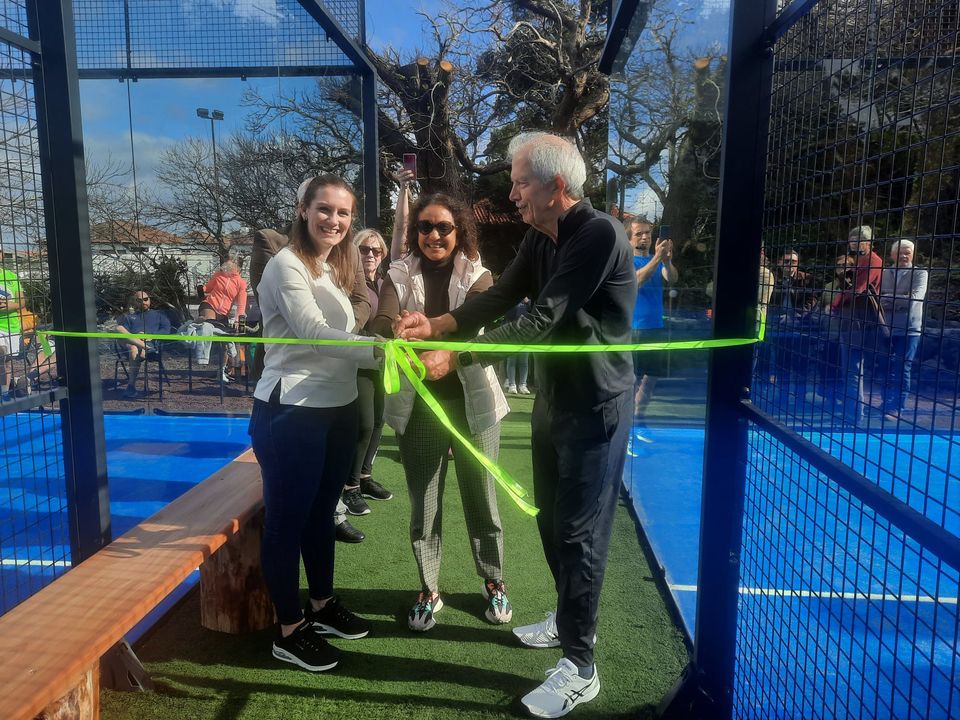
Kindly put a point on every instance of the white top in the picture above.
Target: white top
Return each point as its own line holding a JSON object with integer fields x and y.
{"x": 295, "y": 305}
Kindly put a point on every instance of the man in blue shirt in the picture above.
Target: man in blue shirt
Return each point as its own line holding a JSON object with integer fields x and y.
{"x": 652, "y": 270}
{"x": 141, "y": 319}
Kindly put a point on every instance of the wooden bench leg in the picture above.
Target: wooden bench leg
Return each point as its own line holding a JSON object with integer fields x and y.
{"x": 233, "y": 596}
{"x": 81, "y": 703}
{"x": 121, "y": 669}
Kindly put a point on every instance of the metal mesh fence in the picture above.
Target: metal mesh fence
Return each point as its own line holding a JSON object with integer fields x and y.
{"x": 842, "y": 614}
{"x": 169, "y": 34}
{"x": 34, "y": 537}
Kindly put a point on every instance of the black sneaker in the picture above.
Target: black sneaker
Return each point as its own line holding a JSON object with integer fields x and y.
{"x": 334, "y": 619}
{"x": 370, "y": 488}
{"x": 348, "y": 533}
{"x": 354, "y": 501}
{"x": 305, "y": 648}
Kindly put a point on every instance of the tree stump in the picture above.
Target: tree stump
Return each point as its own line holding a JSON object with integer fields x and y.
{"x": 81, "y": 703}
{"x": 233, "y": 596}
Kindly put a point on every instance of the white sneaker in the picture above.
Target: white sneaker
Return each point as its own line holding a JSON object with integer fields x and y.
{"x": 562, "y": 691}
{"x": 510, "y": 389}
{"x": 523, "y": 390}
{"x": 539, "y": 635}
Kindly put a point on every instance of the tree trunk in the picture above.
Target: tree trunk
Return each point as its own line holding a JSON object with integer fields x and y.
{"x": 233, "y": 596}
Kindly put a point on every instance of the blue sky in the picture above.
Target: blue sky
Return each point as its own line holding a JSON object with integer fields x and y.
{"x": 164, "y": 111}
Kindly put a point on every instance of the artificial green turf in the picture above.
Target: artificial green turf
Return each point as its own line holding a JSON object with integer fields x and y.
{"x": 463, "y": 668}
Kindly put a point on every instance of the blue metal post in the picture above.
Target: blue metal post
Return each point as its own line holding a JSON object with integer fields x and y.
{"x": 71, "y": 273}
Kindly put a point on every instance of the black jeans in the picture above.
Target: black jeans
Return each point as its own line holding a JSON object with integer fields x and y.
{"x": 578, "y": 460}
{"x": 304, "y": 455}
{"x": 370, "y": 404}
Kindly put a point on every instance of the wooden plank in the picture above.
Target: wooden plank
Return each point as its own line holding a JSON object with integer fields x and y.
{"x": 47, "y": 641}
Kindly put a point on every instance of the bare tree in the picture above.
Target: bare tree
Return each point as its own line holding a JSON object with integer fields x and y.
{"x": 191, "y": 200}
{"x": 665, "y": 118}
{"x": 527, "y": 63}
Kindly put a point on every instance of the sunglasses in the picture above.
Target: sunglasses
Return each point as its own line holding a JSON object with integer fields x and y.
{"x": 425, "y": 227}
{"x": 368, "y": 250}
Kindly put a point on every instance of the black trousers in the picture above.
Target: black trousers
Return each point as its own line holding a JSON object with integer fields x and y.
{"x": 304, "y": 455}
{"x": 370, "y": 405}
{"x": 578, "y": 460}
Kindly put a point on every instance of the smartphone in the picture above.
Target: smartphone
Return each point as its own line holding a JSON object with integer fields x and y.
{"x": 410, "y": 162}
{"x": 664, "y": 233}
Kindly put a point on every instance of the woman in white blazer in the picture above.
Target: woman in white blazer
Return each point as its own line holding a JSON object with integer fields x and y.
{"x": 441, "y": 270}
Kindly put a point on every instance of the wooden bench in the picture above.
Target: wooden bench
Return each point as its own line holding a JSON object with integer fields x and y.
{"x": 52, "y": 643}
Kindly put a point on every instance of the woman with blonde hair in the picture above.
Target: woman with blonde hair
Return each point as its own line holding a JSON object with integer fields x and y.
{"x": 361, "y": 484}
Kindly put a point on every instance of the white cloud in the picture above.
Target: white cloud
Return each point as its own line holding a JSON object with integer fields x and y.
{"x": 262, "y": 11}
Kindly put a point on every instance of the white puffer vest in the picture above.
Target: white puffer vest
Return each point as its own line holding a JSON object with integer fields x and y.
{"x": 484, "y": 400}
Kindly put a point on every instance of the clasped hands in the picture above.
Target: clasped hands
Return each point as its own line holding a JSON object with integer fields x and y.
{"x": 412, "y": 325}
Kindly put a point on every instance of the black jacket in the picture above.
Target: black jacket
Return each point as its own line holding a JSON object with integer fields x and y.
{"x": 584, "y": 290}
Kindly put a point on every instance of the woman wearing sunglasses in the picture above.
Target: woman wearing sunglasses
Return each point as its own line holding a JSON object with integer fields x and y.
{"x": 370, "y": 397}
{"x": 440, "y": 272}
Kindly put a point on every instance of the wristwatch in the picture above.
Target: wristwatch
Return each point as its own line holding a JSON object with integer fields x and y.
{"x": 465, "y": 358}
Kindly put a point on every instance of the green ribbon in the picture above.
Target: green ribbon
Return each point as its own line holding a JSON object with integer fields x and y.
{"x": 400, "y": 357}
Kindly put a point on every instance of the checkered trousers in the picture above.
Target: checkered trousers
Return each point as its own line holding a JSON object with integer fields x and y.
{"x": 423, "y": 450}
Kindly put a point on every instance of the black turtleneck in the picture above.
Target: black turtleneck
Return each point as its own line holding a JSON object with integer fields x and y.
{"x": 436, "y": 281}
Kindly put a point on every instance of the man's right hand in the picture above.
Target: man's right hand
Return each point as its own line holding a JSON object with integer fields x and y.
{"x": 664, "y": 250}
{"x": 412, "y": 326}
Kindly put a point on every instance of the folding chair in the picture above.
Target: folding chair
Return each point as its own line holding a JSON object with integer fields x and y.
{"x": 154, "y": 354}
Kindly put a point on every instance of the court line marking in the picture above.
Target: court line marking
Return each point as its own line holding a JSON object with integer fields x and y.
{"x": 34, "y": 563}
{"x": 830, "y": 595}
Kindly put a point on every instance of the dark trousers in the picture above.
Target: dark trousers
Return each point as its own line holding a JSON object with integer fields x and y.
{"x": 578, "y": 462}
{"x": 903, "y": 350}
{"x": 304, "y": 455}
{"x": 370, "y": 406}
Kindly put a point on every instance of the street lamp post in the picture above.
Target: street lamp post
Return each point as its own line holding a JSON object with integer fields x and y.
{"x": 212, "y": 116}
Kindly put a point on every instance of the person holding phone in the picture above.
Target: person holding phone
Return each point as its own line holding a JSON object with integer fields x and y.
{"x": 652, "y": 270}
{"x": 398, "y": 243}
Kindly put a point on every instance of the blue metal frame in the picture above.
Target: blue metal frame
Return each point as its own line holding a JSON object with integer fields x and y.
{"x": 618, "y": 24}
{"x": 368, "y": 114}
{"x": 60, "y": 137}
{"x": 788, "y": 17}
{"x": 927, "y": 533}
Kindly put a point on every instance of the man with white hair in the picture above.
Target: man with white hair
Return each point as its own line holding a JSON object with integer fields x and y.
{"x": 902, "y": 290}
{"x": 577, "y": 265}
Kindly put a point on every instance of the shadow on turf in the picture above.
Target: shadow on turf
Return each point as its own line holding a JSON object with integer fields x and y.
{"x": 235, "y": 694}
{"x": 370, "y": 603}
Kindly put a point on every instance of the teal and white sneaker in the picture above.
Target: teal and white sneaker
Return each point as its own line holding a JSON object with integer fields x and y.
{"x": 421, "y": 614}
{"x": 561, "y": 692}
{"x": 499, "y": 610}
